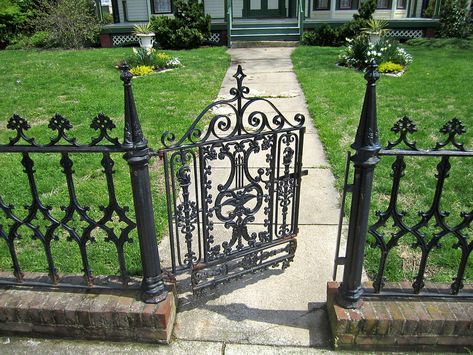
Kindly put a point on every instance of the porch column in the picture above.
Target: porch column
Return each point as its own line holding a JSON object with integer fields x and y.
{"x": 393, "y": 8}
{"x": 333, "y": 6}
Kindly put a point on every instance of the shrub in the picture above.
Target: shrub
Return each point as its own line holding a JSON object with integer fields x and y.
{"x": 360, "y": 52}
{"x": 12, "y": 19}
{"x": 70, "y": 23}
{"x": 325, "y": 35}
{"x": 141, "y": 70}
{"x": 188, "y": 29}
{"x": 454, "y": 19}
{"x": 39, "y": 39}
{"x": 390, "y": 67}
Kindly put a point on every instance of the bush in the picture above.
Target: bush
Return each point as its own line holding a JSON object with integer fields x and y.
{"x": 390, "y": 67}
{"x": 70, "y": 23}
{"x": 188, "y": 29}
{"x": 12, "y": 20}
{"x": 327, "y": 35}
{"x": 454, "y": 19}
{"x": 360, "y": 52}
{"x": 39, "y": 39}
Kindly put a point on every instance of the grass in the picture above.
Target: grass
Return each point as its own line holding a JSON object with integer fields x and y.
{"x": 436, "y": 88}
{"x": 80, "y": 84}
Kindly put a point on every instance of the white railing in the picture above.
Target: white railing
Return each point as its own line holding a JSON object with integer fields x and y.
{"x": 229, "y": 22}
{"x": 301, "y": 17}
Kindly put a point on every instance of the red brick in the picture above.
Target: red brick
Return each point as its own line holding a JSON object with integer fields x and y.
{"x": 410, "y": 317}
{"x": 397, "y": 318}
{"x": 383, "y": 316}
{"x": 370, "y": 321}
{"x": 438, "y": 319}
{"x": 425, "y": 320}
{"x": 416, "y": 340}
{"x": 345, "y": 339}
{"x": 134, "y": 314}
{"x": 456, "y": 340}
{"x": 120, "y": 314}
{"x": 15, "y": 327}
{"x": 98, "y": 312}
{"x": 163, "y": 311}
{"x": 355, "y": 324}
{"x": 463, "y": 319}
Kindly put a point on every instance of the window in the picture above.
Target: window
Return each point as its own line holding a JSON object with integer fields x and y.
{"x": 162, "y": 6}
{"x": 401, "y": 4}
{"x": 345, "y": 4}
{"x": 321, "y": 5}
{"x": 384, "y": 4}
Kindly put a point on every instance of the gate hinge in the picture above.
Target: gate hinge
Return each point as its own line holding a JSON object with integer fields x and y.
{"x": 340, "y": 260}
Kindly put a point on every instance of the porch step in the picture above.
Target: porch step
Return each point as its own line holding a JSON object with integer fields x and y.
{"x": 257, "y": 44}
{"x": 267, "y": 31}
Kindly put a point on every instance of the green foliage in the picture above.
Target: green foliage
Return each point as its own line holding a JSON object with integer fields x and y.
{"x": 430, "y": 9}
{"x": 151, "y": 58}
{"x": 188, "y": 29}
{"x": 390, "y": 67}
{"x": 143, "y": 29}
{"x": 366, "y": 10}
{"x": 454, "y": 19}
{"x": 70, "y": 23}
{"x": 40, "y": 39}
{"x": 461, "y": 43}
{"x": 360, "y": 52}
{"x": 327, "y": 35}
{"x": 12, "y": 20}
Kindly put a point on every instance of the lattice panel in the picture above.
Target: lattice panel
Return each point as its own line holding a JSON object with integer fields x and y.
{"x": 120, "y": 40}
{"x": 405, "y": 33}
{"x": 214, "y": 37}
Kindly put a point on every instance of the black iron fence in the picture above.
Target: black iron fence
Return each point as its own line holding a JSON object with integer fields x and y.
{"x": 45, "y": 226}
{"x": 392, "y": 225}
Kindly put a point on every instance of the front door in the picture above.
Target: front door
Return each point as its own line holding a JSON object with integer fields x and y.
{"x": 264, "y": 8}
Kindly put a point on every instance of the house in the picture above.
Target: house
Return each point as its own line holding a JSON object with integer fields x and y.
{"x": 283, "y": 20}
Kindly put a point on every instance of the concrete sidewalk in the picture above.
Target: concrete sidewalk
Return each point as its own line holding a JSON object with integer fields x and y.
{"x": 285, "y": 308}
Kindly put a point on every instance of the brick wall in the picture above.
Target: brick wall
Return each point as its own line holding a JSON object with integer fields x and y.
{"x": 401, "y": 324}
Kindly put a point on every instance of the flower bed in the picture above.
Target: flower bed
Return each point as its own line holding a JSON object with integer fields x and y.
{"x": 386, "y": 52}
{"x": 146, "y": 61}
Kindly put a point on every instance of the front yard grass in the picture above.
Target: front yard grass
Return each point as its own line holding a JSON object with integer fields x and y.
{"x": 79, "y": 85}
{"x": 437, "y": 87}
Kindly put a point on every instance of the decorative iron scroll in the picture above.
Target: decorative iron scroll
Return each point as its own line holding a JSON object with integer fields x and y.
{"x": 53, "y": 227}
{"x": 233, "y": 190}
{"x": 61, "y": 125}
{"x": 404, "y": 127}
{"x": 222, "y": 126}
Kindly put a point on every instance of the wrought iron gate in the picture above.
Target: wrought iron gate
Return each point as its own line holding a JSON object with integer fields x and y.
{"x": 233, "y": 189}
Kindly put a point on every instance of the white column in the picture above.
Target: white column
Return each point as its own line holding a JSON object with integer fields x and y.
{"x": 393, "y": 8}
{"x": 333, "y": 6}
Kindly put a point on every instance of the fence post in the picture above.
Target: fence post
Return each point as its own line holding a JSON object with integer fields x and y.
{"x": 364, "y": 160}
{"x": 138, "y": 158}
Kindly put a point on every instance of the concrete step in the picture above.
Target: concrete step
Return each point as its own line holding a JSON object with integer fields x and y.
{"x": 266, "y": 37}
{"x": 265, "y": 30}
{"x": 264, "y": 24}
{"x": 259, "y": 44}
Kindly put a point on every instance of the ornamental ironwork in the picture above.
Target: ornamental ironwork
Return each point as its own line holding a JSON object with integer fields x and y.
{"x": 436, "y": 216}
{"x": 233, "y": 188}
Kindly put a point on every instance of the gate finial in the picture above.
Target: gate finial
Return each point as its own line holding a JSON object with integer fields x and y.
{"x": 133, "y": 135}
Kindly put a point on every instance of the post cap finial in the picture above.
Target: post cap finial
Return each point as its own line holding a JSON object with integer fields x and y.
{"x": 125, "y": 74}
{"x": 372, "y": 74}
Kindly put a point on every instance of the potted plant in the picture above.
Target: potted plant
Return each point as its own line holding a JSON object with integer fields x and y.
{"x": 375, "y": 30}
{"x": 145, "y": 35}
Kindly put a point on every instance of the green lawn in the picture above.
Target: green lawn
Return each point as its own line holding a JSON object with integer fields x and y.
{"x": 437, "y": 87}
{"x": 80, "y": 84}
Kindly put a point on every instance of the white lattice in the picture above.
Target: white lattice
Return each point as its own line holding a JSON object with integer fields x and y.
{"x": 119, "y": 40}
{"x": 405, "y": 33}
{"x": 214, "y": 37}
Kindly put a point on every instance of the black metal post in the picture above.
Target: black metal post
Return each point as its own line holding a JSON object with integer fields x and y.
{"x": 364, "y": 160}
{"x": 138, "y": 158}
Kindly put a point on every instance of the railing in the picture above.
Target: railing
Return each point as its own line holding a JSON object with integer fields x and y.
{"x": 73, "y": 221}
{"x": 229, "y": 22}
{"x": 301, "y": 17}
{"x": 368, "y": 152}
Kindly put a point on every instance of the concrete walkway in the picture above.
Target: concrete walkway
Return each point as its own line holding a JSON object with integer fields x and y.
{"x": 275, "y": 307}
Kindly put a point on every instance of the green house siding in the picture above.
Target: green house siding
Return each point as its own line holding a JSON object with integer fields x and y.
{"x": 133, "y": 10}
